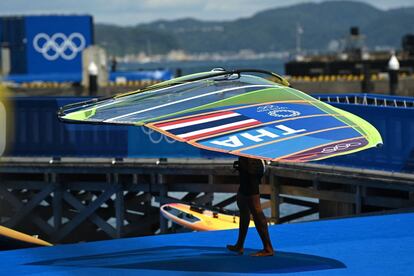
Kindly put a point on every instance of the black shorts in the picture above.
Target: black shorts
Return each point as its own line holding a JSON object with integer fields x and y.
{"x": 249, "y": 184}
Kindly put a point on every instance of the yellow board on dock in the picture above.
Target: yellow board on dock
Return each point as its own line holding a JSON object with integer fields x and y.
{"x": 199, "y": 219}
{"x": 12, "y": 239}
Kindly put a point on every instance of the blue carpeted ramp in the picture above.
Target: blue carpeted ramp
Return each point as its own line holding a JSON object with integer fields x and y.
{"x": 378, "y": 245}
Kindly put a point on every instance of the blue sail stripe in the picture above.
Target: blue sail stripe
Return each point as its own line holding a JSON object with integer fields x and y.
{"x": 294, "y": 145}
{"x": 309, "y": 124}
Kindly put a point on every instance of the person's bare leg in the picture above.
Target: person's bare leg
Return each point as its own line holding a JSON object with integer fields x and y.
{"x": 261, "y": 225}
{"x": 243, "y": 224}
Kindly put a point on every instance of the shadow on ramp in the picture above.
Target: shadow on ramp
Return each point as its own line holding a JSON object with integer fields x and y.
{"x": 203, "y": 259}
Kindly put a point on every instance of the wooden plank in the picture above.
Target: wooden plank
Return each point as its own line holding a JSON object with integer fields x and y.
{"x": 347, "y": 179}
{"x": 387, "y": 202}
{"x": 17, "y": 204}
{"x": 358, "y": 199}
{"x": 204, "y": 200}
{"x": 43, "y": 225}
{"x": 275, "y": 199}
{"x": 298, "y": 215}
{"x": 206, "y": 188}
{"x": 346, "y": 197}
{"x": 300, "y": 202}
{"x": 324, "y": 195}
{"x": 84, "y": 214}
{"x": 27, "y": 208}
{"x": 56, "y": 203}
{"x": 209, "y": 196}
{"x": 85, "y": 185}
{"x": 119, "y": 213}
{"x": 202, "y": 187}
{"x": 163, "y": 200}
{"x": 226, "y": 202}
{"x": 143, "y": 226}
{"x": 98, "y": 221}
{"x": 134, "y": 203}
{"x": 189, "y": 197}
{"x": 220, "y": 178}
{"x": 23, "y": 184}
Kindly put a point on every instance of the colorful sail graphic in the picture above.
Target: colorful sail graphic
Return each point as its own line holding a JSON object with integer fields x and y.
{"x": 239, "y": 114}
{"x": 205, "y": 125}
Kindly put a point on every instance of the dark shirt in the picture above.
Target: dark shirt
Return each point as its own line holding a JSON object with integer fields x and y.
{"x": 251, "y": 166}
{"x": 250, "y": 173}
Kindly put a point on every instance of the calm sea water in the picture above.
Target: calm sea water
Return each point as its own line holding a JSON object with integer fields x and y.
{"x": 188, "y": 67}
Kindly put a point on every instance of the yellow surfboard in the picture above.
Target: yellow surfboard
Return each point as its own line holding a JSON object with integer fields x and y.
{"x": 12, "y": 239}
{"x": 199, "y": 219}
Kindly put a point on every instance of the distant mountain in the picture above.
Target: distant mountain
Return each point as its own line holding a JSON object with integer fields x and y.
{"x": 270, "y": 30}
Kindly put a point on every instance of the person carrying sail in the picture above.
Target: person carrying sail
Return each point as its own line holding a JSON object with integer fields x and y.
{"x": 248, "y": 200}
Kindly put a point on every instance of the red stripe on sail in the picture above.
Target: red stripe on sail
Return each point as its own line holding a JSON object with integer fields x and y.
{"x": 193, "y": 119}
{"x": 218, "y": 131}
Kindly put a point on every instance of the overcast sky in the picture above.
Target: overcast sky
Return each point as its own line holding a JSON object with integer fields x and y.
{"x": 131, "y": 12}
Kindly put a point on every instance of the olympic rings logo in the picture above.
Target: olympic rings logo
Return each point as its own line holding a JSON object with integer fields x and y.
{"x": 341, "y": 147}
{"x": 278, "y": 111}
{"x": 284, "y": 113}
{"x": 156, "y": 137}
{"x": 59, "y": 45}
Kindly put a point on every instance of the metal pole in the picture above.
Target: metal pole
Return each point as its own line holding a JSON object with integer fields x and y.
{"x": 274, "y": 199}
{"x": 358, "y": 200}
{"x": 119, "y": 207}
{"x": 57, "y": 203}
{"x": 163, "y": 200}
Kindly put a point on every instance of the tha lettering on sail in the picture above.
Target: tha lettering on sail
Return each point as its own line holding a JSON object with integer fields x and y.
{"x": 254, "y": 137}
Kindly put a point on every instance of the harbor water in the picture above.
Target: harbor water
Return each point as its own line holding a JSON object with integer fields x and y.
{"x": 189, "y": 67}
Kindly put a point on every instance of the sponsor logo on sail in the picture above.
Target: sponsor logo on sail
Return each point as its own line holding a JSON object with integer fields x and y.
{"x": 278, "y": 111}
{"x": 341, "y": 147}
{"x": 156, "y": 137}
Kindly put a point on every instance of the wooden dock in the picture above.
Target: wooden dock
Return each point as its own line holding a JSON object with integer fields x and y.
{"x": 83, "y": 199}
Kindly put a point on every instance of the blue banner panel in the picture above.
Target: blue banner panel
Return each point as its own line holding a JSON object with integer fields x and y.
{"x": 55, "y": 43}
{"x": 34, "y": 130}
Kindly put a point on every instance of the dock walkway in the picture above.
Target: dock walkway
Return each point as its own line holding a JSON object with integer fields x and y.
{"x": 72, "y": 200}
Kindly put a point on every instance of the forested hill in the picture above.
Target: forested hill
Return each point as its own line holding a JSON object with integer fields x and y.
{"x": 269, "y": 30}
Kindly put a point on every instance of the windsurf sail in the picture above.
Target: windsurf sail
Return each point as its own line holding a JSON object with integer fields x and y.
{"x": 235, "y": 112}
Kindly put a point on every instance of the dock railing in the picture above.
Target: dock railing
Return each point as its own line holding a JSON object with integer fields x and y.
{"x": 71, "y": 200}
